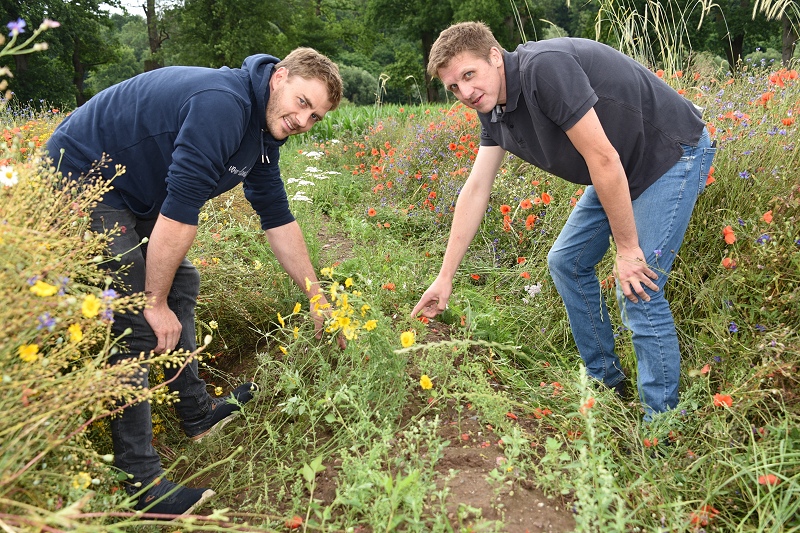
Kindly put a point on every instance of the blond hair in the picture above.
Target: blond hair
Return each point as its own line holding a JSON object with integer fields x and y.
{"x": 311, "y": 65}
{"x": 473, "y": 37}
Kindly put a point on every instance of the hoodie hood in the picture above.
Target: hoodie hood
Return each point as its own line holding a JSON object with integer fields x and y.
{"x": 260, "y": 68}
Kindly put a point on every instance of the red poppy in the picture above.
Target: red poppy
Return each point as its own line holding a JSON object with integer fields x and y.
{"x": 526, "y": 275}
{"x": 767, "y": 217}
{"x": 388, "y": 286}
{"x": 505, "y": 209}
{"x": 729, "y": 235}
{"x": 530, "y": 221}
{"x": 545, "y": 198}
{"x": 525, "y": 204}
{"x": 729, "y": 263}
{"x": 722, "y": 399}
{"x": 660, "y": 73}
{"x": 710, "y": 179}
{"x": 294, "y": 522}
{"x": 703, "y": 516}
{"x": 521, "y": 260}
{"x": 648, "y": 443}
{"x": 372, "y": 212}
{"x": 769, "y": 479}
{"x": 787, "y": 121}
{"x": 511, "y": 415}
{"x": 706, "y": 369}
{"x": 476, "y": 277}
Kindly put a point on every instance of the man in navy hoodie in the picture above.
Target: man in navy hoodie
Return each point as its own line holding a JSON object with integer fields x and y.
{"x": 186, "y": 135}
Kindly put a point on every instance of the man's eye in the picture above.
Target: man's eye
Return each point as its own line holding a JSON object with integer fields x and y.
{"x": 316, "y": 117}
{"x": 302, "y": 102}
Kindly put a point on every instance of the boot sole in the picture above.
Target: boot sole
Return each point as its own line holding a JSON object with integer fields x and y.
{"x": 213, "y": 430}
{"x": 207, "y": 495}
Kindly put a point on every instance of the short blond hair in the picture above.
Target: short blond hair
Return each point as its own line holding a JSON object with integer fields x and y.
{"x": 473, "y": 37}
{"x": 311, "y": 65}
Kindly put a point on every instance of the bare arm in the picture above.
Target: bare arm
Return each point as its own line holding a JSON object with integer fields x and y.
{"x": 611, "y": 184}
{"x": 167, "y": 247}
{"x": 470, "y": 208}
{"x": 290, "y": 250}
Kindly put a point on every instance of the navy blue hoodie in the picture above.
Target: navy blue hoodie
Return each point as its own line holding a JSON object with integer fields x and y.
{"x": 185, "y": 135}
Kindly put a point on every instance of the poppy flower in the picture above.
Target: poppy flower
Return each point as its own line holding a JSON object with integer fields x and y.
{"x": 706, "y": 369}
{"x": 530, "y": 221}
{"x": 476, "y": 277}
{"x": 294, "y": 522}
{"x": 505, "y": 209}
{"x": 511, "y": 415}
{"x": 767, "y": 217}
{"x": 648, "y": 443}
{"x": 660, "y": 73}
{"x": 710, "y": 179}
{"x": 768, "y": 479}
{"x": 787, "y": 121}
{"x": 729, "y": 235}
{"x": 388, "y": 286}
{"x": 546, "y": 198}
{"x": 526, "y": 275}
{"x": 525, "y": 204}
{"x": 520, "y": 260}
{"x": 588, "y": 404}
{"x": 703, "y": 516}
{"x": 729, "y": 263}
{"x": 371, "y": 212}
{"x": 722, "y": 399}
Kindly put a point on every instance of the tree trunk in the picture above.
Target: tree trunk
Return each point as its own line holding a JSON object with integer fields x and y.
{"x": 153, "y": 36}
{"x": 788, "y": 40}
{"x": 80, "y": 73}
{"x": 734, "y": 51}
{"x": 430, "y": 89}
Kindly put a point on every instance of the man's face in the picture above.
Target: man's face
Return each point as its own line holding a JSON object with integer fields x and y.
{"x": 295, "y": 104}
{"x": 477, "y": 83}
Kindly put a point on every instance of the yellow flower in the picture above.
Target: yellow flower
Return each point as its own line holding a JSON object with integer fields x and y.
{"x": 213, "y": 324}
{"x": 218, "y": 391}
{"x": 369, "y": 325}
{"x": 81, "y": 481}
{"x": 75, "y": 333}
{"x": 283, "y": 349}
{"x": 91, "y": 306}
{"x": 326, "y": 272}
{"x": 40, "y": 288}
{"x": 257, "y": 264}
{"x": 364, "y": 309}
{"x": 295, "y": 332}
{"x": 425, "y": 382}
{"x": 407, "y": 338}
{"x": 297, "y": 308}
{"x": 308, "y": 285}
{"x": 29, "y": 352}
{"x": 348, "y": 282}
{"x": 315, "y": 298}
{"x": 280, "y": 321}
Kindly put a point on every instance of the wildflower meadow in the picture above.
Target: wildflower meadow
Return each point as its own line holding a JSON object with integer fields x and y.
{"x": 480, "y": 420}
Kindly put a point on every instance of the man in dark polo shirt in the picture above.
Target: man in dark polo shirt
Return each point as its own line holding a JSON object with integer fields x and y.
{"x": 593, "y": 116}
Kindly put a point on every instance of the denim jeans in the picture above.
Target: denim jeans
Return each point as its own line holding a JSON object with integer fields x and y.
{"x": 132, "y": 431}
{"x": 662, "y": 215}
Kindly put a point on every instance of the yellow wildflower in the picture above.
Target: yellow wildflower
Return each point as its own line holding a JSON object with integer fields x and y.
{"x": 348, "y": 282}
{"x": 295, "y": 332}
{"x": 81, "y": 481}
{"x": 283, "y": 349}
{"x": 369, "y": 325}
{"x": 297, "y": 308}
{"x": 91, "y": 306}
{"x": 308, "y": 285}
{"x": 326, "y": 272}
{"x": 75, "y": 333}
{"x": 407, "y": 338}
{"x": 213, "y": 324}
{"x": 315, "y": 298}
{"x": 218, "y": 391}
{"x": 425, "y": 382}
{"x": 40, "y": 288}
{"x": 280, "y": 321}
{"x": 29, "y": 352}
{"x": 364, "y": 309}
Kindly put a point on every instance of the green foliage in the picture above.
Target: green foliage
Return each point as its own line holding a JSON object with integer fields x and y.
{"x": 360, "y": 86}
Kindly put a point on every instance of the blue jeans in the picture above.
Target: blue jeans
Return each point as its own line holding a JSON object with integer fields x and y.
{"x": 132, "y": 431}
{"x": 662, "y": 215}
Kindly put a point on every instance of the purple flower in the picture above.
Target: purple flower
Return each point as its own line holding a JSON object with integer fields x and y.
{"x": 46, "y": 321}
{"x": 15, "y": 28}
{"x": 717, "y": 359}
{"x": 759, "y": 327}
{"x": 657, "y": 252}
{"x": 741, "y": 222}
{"x": 107, "y": 314}
{"x": 763, "y": 239}
{"x": 109, "y": 294}
{"x": 744, "y": 174}
{"x": 733, "y": 328}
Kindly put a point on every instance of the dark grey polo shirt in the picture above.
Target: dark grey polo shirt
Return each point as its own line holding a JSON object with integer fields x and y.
{"x": 552, "y": 84}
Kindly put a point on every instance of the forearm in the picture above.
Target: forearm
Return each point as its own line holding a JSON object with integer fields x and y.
{"x": 290, "y": 250}
{"x": 167, "y": 247}
{"x": 612, "y": 189}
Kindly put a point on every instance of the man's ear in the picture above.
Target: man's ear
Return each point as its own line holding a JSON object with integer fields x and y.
{"x": 496, "y": 56}
{"x": 278, "y": 77}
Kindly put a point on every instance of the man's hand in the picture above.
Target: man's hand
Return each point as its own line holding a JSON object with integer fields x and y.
{"x": 165, "y": 325}
{"x": 631, "y": 271}
{"x": 435, "y": 299}
{"x": 320, "y": 315}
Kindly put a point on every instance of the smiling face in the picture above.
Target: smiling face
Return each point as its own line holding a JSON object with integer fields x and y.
{"x": 295, "y": 104}
{"x": 476, "y": 82}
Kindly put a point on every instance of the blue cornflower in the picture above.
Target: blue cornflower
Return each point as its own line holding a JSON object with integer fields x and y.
{"x": 744, "y": 174}
{"x": 109, "y": 294}
{"x": 733, "y": 328}
{"x": 763, "y": 239}
{"x": 107, "y": 314}
{"x": 16, "y": 27}
{"x": 657, "y": 252}
{"x": 717, "y": 359}
{"x": 741, "y": 222}
{"x": 46, "y": 321}
{"x": 760, "y": 327}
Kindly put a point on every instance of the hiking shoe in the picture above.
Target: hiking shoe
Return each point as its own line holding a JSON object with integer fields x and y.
{"x": 168, "y": 498}
{"x": 222, "y": 411}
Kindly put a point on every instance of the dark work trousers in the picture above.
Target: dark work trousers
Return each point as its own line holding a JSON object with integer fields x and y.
{"x": 132, "y": 432}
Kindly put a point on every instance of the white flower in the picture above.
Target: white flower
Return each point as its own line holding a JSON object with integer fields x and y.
{"x": 332, "y": 172}
{"x": 335, "y": 141}
{"x": 315, "y": 155}
{"x": 300, "y": 196}
{"x": 533, "y": 290}
{"x": 8, "y": 176}
{"x": 312, "y": 170}
{"x": 299, "y": 181}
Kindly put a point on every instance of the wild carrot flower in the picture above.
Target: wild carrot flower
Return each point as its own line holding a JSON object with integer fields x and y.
{"x": 425, "y": 382}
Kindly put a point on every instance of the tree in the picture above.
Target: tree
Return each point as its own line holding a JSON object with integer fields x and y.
{"x": 788, "y": 11}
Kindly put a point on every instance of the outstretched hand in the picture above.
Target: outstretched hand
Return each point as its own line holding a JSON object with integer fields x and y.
{"x": 631, "y": 272}
{"x": 434, "y": 300}
{"x": 319, "y": 323}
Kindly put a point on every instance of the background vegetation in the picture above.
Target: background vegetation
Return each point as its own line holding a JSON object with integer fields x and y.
{"x": 374, "y": 191}
{"x": 382, "y": 44}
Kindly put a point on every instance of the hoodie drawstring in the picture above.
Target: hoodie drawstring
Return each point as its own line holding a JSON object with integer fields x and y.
{"x": 264, "y": 156}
